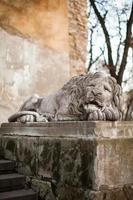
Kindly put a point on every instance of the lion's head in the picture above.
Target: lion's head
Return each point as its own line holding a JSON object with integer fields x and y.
{"x": 103, "y": 98}
{"x": 95, "y": 97}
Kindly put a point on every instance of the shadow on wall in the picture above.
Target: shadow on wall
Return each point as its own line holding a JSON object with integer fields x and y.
{"x": 37, "y": 19}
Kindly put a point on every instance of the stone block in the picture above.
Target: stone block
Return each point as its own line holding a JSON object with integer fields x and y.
{"x": 23, "y": 151}
{"x": 44, "y": 188}
{"x": 92, "y": 158}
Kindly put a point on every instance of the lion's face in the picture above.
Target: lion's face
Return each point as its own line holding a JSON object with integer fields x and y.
{"x": 99, "y": 92}
{"x": 102, "y": 98}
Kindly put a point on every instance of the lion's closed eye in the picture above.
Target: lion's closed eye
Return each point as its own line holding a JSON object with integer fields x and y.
{"x": 106, "y": 87}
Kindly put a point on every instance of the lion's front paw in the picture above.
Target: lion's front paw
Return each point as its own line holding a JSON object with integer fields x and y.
{"x": 26, "y": 118}
{"x": 96, "y": 115}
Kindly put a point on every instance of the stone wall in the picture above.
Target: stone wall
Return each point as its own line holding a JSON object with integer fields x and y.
{"x": 73, "y": 160}
{"x": 77, "y": 35}
{"x": 39, "y": 48}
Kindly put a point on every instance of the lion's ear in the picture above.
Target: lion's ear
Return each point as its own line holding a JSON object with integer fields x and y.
{"x": 35, "y": 98}
{"x": 117, "y": 96}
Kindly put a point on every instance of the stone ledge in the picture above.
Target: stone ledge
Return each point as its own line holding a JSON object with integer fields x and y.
{"x": 79, "y": 129}
{"x": 70, "y": 123}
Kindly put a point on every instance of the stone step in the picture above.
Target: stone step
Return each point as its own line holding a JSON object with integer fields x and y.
{"x": 6, "y": 166}
{"x": 19, "y": 195}
{"x": 12, "y": 181}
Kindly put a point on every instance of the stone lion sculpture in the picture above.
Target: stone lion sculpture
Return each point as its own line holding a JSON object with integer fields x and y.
{"x": 86, "y": 97}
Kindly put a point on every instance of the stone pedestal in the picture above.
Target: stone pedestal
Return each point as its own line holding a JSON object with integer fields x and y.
{"x": 73, "y": 160}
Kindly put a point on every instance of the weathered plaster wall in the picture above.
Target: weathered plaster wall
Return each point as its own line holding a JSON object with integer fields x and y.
{"x": 26, "y": 69}
{"x": 39, "y": 48}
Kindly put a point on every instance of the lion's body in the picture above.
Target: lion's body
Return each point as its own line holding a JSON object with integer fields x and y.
{"x": 85, "y": 97}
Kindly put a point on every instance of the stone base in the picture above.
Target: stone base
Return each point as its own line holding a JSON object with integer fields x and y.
{"x": 73, "y": 160}
{"x": 48, "y": 191}
{"x": 124, "y": 193}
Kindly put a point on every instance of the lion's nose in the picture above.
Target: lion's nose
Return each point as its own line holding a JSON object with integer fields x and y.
{"x": 96, "y": 91}
{"x": 90, "y": 97}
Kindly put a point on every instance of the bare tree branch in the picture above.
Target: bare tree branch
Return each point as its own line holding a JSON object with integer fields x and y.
{"x": 91, "y": 49}
{"x": 120, "y": 40}
{"x": 102, "y": 52}
{"x": 107, "y": 38}
{"x": 96, "y": 59}
{"x": 91, "y": 60}
{"x": 126, "y": 48}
